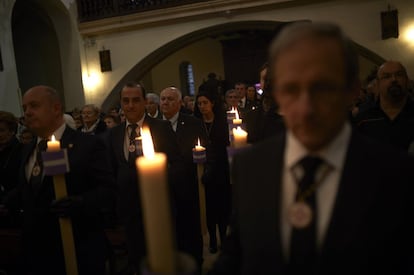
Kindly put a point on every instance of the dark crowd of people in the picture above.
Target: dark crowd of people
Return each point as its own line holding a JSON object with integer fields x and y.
{"x": 323, "y": 187}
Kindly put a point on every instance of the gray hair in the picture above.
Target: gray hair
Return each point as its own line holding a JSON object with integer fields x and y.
{"x": 93, "y": 107}
{"x": 296, "y": 32}
{"x": 228, "y": 92}
{"x": 180, "y": 95}
{"x": 154, "y": 97}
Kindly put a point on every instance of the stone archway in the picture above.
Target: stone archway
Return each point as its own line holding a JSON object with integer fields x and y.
{"x": 147, "y": 63}
{"x": 46, "y": 48}
{"x": 36, "y": 47}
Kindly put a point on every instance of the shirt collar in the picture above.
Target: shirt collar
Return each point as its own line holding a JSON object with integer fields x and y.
{"x": 173, "y": 119}
{"x": 333, "y": 154}
{"x": 243, "y": 100}
{"x": 58, "y": 133}
{"x": 87, "y": 129}
{"x": 155, "y": 115}
{"x": 140, "y": 122}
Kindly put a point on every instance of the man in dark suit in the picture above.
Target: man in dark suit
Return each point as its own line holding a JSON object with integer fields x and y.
{"x": 123, "y": 155}
{"x": 185, "y": 185}
{"x": 89, "y": 186}
{"x": 318, "y": 199}
{"x": 245, "y": 104}
{"x": 391, "y": 118}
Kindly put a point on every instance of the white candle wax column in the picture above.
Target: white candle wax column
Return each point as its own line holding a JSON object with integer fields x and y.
{"x": 152, "y": 173}
{"x": 231, "y": 115}
{"x": 199, "y": 157}
{"x": 240, "y": 137}
{"x": 237, "y": 121}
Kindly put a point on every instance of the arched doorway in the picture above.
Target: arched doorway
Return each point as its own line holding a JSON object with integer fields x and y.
{"x": 36, "y": 47}
{"x": 145, "y": 65}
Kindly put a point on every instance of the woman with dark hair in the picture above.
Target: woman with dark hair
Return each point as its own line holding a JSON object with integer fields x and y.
{"x": 210, "y": 109}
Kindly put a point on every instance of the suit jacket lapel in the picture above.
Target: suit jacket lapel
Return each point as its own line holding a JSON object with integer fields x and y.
{"x": 272, "y": 175}
{"x": 180, "y": 127}
{"x": 118, "y": 142}
{"x": 279, "y": 160}
{"x": 66, "y": 139}
{"x": 351, "y": 201}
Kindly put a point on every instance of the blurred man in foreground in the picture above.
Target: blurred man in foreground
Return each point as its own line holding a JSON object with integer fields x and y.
{"x": 320, "y": 198}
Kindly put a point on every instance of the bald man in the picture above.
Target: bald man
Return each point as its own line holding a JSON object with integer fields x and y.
{"x": 89, "y": 186}
{"x": 185, "y": 186}
{"x": 391, "y": 120}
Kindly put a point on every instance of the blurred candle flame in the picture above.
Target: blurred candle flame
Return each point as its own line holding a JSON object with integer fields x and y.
{"x": 147, "y": 144}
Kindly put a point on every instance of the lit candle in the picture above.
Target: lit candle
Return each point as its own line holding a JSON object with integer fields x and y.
{"x": 240, "y": 137}
{"x": 232, "y": 111}
{"x": 198, "y": 147}
{"x": 66, "y": 231}
{"x": 53, "y": 145}
{"x": 231, "y": 115}
{"x": 237, "y": 120}
{"x": 152, "y": 173}
{"x": 199, "y": 156}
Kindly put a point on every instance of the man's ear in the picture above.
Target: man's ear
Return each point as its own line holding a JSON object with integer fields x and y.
{"x": 58, "y": 108}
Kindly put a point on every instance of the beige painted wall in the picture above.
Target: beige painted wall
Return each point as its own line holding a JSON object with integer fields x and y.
{"x": 360, "y": 19}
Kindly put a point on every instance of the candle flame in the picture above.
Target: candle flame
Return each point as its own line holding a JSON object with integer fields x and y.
{"x": 198, "y": 142}
{"x": 147, "y": 144}
{"x": 237, "y": 114}
{"x": 239, "y": 131}
{"x": 53, "y": 138}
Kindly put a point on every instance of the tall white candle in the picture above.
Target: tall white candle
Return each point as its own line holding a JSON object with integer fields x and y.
{"x": 152, "y": 173}
{"x": 237, "y": 120}
{"x": 240, "y": 137}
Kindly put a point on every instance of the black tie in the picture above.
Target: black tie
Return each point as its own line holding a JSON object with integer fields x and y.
{"x": 303, "y": 240}
{"x": 132, "y": 147}
{"x": 37, "y": 171}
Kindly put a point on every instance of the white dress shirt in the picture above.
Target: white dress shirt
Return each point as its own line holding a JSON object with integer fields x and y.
{"x": 128, "y": 133}
{"x": 155, "y": 115}
{"x": 333, "y": 156}
{"x": 173, "y": 120}
{"x": 242, "y": 102}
